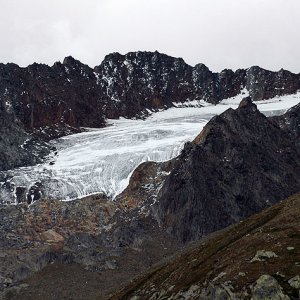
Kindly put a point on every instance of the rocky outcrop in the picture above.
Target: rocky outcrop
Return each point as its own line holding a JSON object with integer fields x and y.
{"x": 41, "y": 96}
{"x": 144, "y": 186}
{"x": 267, "y": 287}
{"x": 241, "y": 163}
{"x": 290, "y": 122}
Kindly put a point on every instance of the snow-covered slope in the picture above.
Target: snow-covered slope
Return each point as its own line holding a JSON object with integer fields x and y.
{"x": 103, "y": 159}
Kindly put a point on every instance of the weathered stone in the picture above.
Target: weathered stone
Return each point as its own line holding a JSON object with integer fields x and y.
{"x": 262, "y": 255}
{"x": 295, "y": 282}
{"x": 52, "y": 236}
{"x": 267, "y": 287}
{"x": 217, "y": 293}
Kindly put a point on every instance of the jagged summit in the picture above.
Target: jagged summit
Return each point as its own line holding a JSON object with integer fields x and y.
{"x": 232, "y": 123}
{"x": 69, "y": 60}
{"x": 247, "y": 103}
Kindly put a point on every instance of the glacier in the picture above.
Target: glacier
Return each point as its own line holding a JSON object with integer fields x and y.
{"x": 102, "y": 160}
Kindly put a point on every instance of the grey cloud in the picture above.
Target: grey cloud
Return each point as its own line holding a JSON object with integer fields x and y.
{"x": 220, "y": 33}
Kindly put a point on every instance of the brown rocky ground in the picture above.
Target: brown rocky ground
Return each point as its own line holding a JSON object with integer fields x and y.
{"x": 79, "y": 249}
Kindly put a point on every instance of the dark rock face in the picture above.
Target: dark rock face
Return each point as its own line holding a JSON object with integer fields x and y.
{"x": 39, "y": 103}
{"x": 10, "y": 136}
{"x": 50, "y": 102}
{"x": 263, "y": 84}
{"x": 290, "y": 122}
{"x": 43, "y": 96}
{"x": 140, "y": 80}
{"x": 240, "y": 163}
{"x": 17, "y": 147}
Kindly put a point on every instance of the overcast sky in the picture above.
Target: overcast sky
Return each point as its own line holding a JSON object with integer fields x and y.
{"x": 219, "y": 33}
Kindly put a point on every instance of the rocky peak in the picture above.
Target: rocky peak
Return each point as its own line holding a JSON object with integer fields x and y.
{"x": 246, "y": 103}
{"x": 241, "y": 124}
{"x": 71, "y": 61}
{"x": 75, "y": 70}
{"x": 201, "y": 68}
{"x": 115, "y": 56}
{"x": 36, "y": 69}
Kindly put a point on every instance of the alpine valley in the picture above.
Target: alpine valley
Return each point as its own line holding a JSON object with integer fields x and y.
{"x": 147, "y": 178}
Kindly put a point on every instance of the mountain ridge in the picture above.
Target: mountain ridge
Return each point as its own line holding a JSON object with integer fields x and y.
{"x": 72, "y": 58}
{"x": 49, "y": 102}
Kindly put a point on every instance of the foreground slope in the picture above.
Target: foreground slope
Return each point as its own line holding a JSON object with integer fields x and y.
{"x": 257, "y": 258}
